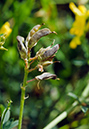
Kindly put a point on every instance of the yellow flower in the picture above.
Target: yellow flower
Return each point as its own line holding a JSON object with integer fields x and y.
{"x": 81, "y": 10}
{"x": 74, "y": 42}
{"x": 5, "y": 29}
{"x": 79, "y": 27}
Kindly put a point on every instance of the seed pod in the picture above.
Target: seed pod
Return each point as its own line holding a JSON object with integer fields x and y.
{"x": 37, "y": 36}
{"x": 50, "y": 52}
{"x": 35, "y": 29}
{"x": 32, "y": 32}
{"x": 21, "y": 47}
{"x": 46, "y": 76}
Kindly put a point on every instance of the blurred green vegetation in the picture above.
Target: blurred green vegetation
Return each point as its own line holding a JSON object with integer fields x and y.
{"x": 46, "y": 103}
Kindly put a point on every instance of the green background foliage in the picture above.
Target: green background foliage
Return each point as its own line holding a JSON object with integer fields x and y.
{"x": 46, "y": 103}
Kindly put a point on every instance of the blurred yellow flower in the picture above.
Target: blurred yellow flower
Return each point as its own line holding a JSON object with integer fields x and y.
{"x": 5, "y": 29}
{"x": 74, "y": 42}
{"x": 80, "y": 26}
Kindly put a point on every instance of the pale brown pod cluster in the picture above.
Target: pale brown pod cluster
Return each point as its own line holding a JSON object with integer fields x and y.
{"x": 44, "y": 56}
{"x": 25, "y": 46}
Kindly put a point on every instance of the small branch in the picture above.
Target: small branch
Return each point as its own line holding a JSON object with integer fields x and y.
{"x": 31, "y": 62}
{"x": 34, "y": 58}
{"x": 32, "y": 69}
{"x": 31, "y": 80}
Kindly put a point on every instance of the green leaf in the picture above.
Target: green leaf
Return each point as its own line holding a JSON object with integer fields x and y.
{"x": 72, "y": 95}
{"x": 5, "y": 115}
{"x": 1, "y": 109}
{"x": 84, "y": 109}
{"x": 79, "y": 62}
{"x": 10, "y": 124}
{"x": 14, "y": 123}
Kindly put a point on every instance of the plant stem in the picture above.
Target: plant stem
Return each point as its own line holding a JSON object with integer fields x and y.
{"x": 22, "y": 97}
{"x": 31, "y": 80}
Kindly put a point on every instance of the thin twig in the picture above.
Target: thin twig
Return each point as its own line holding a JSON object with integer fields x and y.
{"x": 31, "y": 80}
{"x": 30, "y": 70}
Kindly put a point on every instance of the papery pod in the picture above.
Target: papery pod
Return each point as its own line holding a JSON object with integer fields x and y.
{"x": 32, "y": 32}
{"x": 46, "y": 76}
{"x": 21, "y": 47}
{"x": 50, "y": 52}
{"x": 45, "y": 54}
{"x": 33, "y": 41}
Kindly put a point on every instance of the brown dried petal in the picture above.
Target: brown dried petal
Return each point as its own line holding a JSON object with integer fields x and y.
{"x": 21, "y": 47}
{"x": 37, "y": 36}
{"x": 46, "y": 76}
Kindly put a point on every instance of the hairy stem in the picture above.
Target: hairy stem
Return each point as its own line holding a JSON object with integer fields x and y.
{"x": 22, "y": 98}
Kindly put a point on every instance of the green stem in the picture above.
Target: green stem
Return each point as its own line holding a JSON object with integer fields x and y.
{"x": 22, "y": 98}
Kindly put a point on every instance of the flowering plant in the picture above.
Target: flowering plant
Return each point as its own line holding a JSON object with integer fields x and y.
{"x": 44, "y": 57}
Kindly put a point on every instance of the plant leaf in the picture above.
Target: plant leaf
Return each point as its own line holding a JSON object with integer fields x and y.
{"x": 5, "y": 115}
{"x": 84, "y": 109}
{"x": 10, "y": 124}
{"x": 72, "y": 95}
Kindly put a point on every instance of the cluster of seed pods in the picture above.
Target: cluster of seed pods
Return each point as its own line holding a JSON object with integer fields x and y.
{"x": 44, "y": 56}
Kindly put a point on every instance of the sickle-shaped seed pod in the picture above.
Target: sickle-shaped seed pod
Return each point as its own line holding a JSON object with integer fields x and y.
{"x": 46, "y": 76}
{"x": 21, "y": 47}
{"x": 37, "y": 36}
